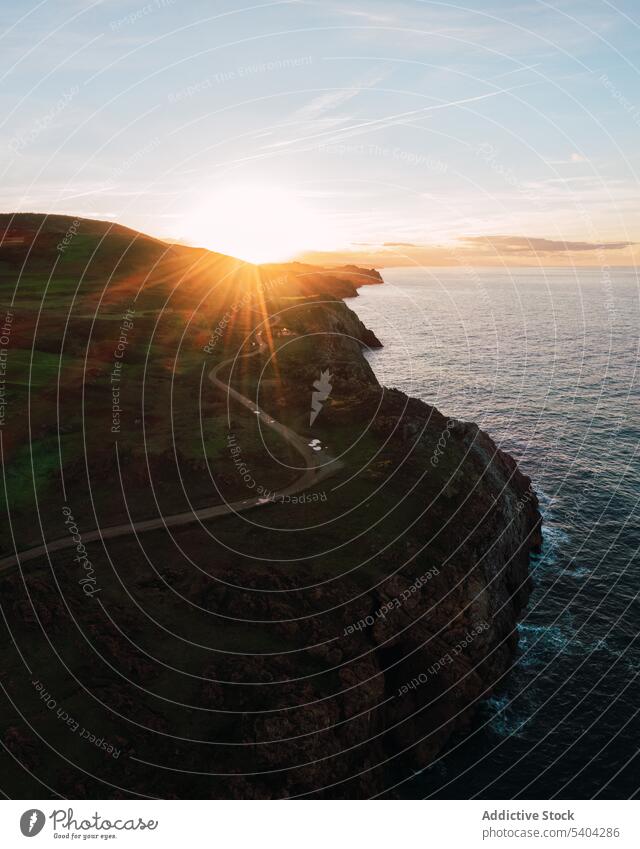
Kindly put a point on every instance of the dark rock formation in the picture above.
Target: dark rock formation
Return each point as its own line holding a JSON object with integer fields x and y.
{"x": 320, "y": 649}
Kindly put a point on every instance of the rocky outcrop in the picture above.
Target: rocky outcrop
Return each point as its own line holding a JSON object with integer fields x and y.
{"x": 405, "y": 649}
{"x": 325, "y": 648}
{"x": 400, "y": 668}
{"x": 382, "y": 654}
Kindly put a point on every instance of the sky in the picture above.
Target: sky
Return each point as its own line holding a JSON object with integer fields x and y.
{"x": 385, "y": 132}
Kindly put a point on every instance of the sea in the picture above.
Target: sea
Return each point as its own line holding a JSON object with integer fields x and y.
{"x": 546, "y": 360}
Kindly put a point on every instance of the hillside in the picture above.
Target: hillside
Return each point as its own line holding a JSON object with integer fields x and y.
{"x": 327, "y": 634}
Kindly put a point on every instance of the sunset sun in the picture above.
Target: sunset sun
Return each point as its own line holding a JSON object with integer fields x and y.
{"x": 257, "y": 223}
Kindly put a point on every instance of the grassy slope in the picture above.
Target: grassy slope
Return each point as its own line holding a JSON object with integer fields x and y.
{"x": 187, "y": 598}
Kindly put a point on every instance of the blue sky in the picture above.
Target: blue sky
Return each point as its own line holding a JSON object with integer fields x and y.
{"x": 392, "y": 131}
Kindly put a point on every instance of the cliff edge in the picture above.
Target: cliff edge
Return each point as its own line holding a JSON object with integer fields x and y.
{"x": 325, "y": 643}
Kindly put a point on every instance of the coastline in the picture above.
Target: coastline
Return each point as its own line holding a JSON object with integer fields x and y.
{"x": 374, "y": 619}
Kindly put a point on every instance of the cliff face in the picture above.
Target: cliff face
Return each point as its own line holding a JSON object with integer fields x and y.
{"x": 297, "y": 278}
{"x": 324, "y": 644}
{"x": 390, "y": 654}
{"x": 394, "y": 668}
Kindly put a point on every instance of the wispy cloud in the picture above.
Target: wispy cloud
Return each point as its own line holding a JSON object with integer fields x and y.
{"x": 573, "y": 159}
{"x": 533, "y": 245}
{"x": 479, "y": 251}
{"x": 398, "y": 118}
{"x": 319, "y": 106}
{"x": 401, "y": 245}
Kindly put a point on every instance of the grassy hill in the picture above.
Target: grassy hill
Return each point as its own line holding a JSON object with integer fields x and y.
{"x": 250, "y": 650}
{"x": 91, "y": 301}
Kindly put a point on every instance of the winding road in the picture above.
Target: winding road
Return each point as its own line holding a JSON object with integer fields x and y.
{"x": 319, "y": 466}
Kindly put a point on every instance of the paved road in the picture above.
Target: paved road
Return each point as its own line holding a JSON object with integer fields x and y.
{"x": 319, "y": 466}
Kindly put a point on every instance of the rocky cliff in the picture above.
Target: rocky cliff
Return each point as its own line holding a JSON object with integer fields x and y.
{"x": 390, "y": 654}
{"x": 325, "y": 644}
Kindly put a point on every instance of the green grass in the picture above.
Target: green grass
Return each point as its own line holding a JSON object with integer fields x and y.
{"x": 40, "y": 372}
{"x": 21, "y": 476}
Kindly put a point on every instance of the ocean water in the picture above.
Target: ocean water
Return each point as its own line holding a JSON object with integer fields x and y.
{"x": 546, "y": 361}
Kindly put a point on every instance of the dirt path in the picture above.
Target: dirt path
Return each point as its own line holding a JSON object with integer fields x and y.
{"x": 319, "y": 466}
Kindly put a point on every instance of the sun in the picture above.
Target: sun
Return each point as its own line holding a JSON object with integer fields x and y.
{"x": 257, "y": 223}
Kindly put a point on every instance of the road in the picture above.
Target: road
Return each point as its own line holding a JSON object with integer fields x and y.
{"x": 319, "y": 466}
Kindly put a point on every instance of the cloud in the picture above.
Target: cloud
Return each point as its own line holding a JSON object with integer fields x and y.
{"x": 477, "y": 251}
{"x": 333, "y": 99}
{"x": 573, "y": 159}
{"x": 400, "y": 245}
{"x": 533, "y": 245}
{"x": 318, "y": 105}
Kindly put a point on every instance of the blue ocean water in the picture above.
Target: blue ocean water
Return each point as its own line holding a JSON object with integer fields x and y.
{"x": 547, "y": 361}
